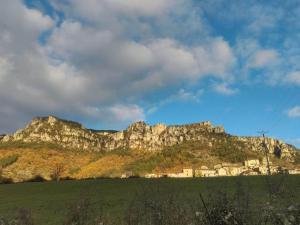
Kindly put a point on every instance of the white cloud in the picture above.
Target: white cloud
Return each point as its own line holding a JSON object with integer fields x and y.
{"x": 138, "y": 7}
{"x": 263, "y": 58}
{"x": 251, "y": 55}
{"x": 94, "y": 9}
{"x": 103, "y": 58}
{"x": 184, "y": 96}
{"x": 293, "y": 78}
{"x": 294, "y": 112}
{"x": 127, "y": 113}
{"x": 135, "y": 68}
{"x": 224, "y": 89}
{"x": 20, "y": 26}
{"x": 215, "y": 58}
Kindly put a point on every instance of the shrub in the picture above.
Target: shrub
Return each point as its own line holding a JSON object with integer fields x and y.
{"x": 78, "y": 213}
{"x": 37, "y": 178}
{"x": 74, "y": 170}
{"x": 232, "y": 151}
{"x": 23, "y": 217}
{"x": 4, "y": 180}
{"x": 9, "y": 160}
{"x": 57, "y": 172}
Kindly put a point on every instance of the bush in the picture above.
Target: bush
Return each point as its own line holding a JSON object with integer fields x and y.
{"x": 153, "y": 206}
{"x": 23, "y": 217}
{"x": 232, "y": 151}
{"x": 20, "y": 144}
{"x": 37, "y": 178}
{"x": 4, "y": 180}
{"x": 78, "y": 213}
{"x": 74, "y": 170}
{"x": 82, "y": 213}
{"x": 9, "y": 160}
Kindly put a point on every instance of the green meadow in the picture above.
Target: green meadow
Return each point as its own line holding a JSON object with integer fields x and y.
{"x": 49, "y": 201}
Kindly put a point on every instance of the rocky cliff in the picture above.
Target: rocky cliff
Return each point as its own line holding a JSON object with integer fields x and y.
{"x": 2, "y": 136}
{"x": 139, "y": 135}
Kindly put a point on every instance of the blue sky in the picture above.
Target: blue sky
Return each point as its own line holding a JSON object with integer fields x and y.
{"x": 107, "y": 63}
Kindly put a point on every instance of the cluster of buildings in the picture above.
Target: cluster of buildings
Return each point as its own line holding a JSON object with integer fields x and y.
{"x": 249, "y": 167}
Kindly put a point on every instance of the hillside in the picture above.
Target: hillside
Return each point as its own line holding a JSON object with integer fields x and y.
{"x": 49, "y": 144}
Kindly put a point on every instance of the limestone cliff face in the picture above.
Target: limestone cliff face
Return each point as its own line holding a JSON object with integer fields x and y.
{"x": 276, "y": 147}
{"x": 2, "y": 136}
{"x": 142, "y": 136}
{"x": 52, "y": 130}
{"x": 139, "y": 135}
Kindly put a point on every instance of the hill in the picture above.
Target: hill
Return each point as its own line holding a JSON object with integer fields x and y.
{"x": 49, "y": 146}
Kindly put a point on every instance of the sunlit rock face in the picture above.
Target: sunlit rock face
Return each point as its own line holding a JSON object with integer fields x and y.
{"x": 272, "y": 146}
{"x": 2, "y": 136}
{"x": 139, "y": 135}
{"x": 50, "y": 129}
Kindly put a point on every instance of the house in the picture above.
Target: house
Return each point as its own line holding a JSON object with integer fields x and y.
{"x": 249, "y": 173}
{"x": 274, "y": 169}
{"x": 222, "y": 172}
{"x": 198, "y": 173}
{"x": 252, "y": 163}
{"x": 205, "y": 173}
{"x": 176, "y": 175}
{"x": 294, "y": 171}
{"x": 234, "y": 171}
{"x": 184, "y": 174}
{"x": 127, "y": 174}
{"x": 151, "y": 175}
{"x": 188, "y": 172}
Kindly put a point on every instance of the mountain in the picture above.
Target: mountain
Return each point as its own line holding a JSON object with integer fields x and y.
{"x": 139, "y": 135}
{"x": 48, "y": 141}
{"x": 72, "y": 135}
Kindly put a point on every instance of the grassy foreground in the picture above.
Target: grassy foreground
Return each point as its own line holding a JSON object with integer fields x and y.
{"x": 49, "y": 201}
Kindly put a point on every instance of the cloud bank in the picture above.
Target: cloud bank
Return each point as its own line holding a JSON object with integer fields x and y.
{"x": 105, "y": 61}
{"x": 100, "y": 60}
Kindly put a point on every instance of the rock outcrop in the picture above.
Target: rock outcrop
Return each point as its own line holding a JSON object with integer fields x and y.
{"x": 273, "y": 146}
{"x": 139, "y": 135}
{"x": 2, "y": 136}
{"x": 67, "y": 134}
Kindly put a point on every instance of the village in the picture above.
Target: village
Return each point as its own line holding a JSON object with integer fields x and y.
{"x": 250, "y": 167}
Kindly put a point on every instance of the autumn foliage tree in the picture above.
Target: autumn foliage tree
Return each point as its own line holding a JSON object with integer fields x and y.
{"x": 57, "y": 172}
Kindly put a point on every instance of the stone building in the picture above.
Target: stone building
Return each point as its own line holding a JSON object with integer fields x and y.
{"x": 222, "y": 172}
{"x": 152, "y": 175}
{"x": 252, "y": 163}
{"x": 205, "y": 173}
{"x": 184, "y": 174}
{"x": 294, "y": 171}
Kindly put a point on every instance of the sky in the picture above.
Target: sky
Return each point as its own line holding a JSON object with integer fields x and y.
{"x": 108, "y": 63}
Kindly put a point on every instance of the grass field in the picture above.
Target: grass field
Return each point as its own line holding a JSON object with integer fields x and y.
{"x": 49, "y": 201}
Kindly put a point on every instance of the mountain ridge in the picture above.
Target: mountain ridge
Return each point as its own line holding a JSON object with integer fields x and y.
{"x": 139, "y": 135}
{"x": 48, "y": 143}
